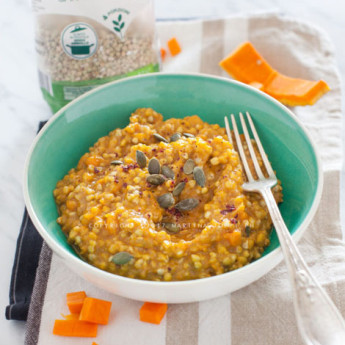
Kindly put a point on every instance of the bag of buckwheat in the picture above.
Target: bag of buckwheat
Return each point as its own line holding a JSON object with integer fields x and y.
{"x": 82, "y": 44}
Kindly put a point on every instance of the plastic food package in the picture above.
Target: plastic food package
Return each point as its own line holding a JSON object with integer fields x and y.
{"x": 82, "y": 44}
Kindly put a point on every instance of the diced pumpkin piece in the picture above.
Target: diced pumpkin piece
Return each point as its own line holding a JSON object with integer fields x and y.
{"x": 95, "y": 310}
{"x": 93, "y": 343}
{"x": 247, "y": 65}
{"x": 75, "y": 301}
{"x": 235, "y": 238}
{"x": 153, "y": 312}
{"x": 75, "y": 328}
{"x": 94, "y": 160}
{"x": 174, "y": 46}
{"x": 293, "y": 91}
{"x": 163, "y": 53}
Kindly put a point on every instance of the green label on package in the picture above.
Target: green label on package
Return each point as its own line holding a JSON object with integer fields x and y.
{"x": 60, "y": 93}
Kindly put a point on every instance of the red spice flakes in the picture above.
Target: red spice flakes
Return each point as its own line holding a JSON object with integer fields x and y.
{"x": 124, "y": 185}
{"x": 233, "y": 221}
{"x": 128, "y": 167}
{"x": 185, "y": 179}
{"x": 228, "y": 209}
{"x": 96, "y": 171}
{"x": 116, "y": 179}
{"x": 175, "y": 212}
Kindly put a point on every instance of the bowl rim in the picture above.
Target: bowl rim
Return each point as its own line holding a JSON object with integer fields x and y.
{"x": 275, "y": 255}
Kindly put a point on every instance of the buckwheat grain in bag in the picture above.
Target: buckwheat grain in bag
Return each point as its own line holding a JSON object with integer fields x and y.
{"x": 82, "y": 44}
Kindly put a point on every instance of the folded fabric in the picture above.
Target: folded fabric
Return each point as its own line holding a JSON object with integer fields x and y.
{"x": 28, "y": 250}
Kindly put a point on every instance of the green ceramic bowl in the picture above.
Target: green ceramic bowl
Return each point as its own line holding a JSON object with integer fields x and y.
{"x": 76, "y": 127}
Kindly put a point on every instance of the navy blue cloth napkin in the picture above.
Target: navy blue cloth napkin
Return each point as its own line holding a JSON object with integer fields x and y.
{"x": 29, "y": 245}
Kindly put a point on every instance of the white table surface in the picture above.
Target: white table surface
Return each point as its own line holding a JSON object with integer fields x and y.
{"x": 22, "y": 106}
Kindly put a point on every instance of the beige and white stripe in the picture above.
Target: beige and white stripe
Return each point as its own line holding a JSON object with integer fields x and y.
{"x": 262, "y": 313}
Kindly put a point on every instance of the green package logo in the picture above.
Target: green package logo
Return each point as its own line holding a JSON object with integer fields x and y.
{"x": 79, "y": 40}
{"x": 119, "y": 25}
{"x": 117, "y": 19}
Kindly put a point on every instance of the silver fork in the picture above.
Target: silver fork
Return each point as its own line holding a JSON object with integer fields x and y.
{"x": 318, "y": 320}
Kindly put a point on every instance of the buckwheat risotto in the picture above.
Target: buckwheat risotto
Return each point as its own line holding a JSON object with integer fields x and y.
{"x": 163, "y": 200}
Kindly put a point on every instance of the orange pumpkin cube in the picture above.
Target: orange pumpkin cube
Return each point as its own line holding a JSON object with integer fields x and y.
{"x": 293, "y": 91}
{"x": 163, "y": 53}
{"x": 75, "y": 328}
{"x": 95, "y": 310}
{"x": 75, "y": 301}
{"x": 247, "y": 65}
{"x": 153, "y": 312}
{"x": 174, "y": 46}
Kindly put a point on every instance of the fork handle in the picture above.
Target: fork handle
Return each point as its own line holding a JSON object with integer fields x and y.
{"x": 319, "y": 321}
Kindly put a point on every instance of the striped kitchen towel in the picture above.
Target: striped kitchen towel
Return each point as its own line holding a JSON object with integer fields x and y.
{"x": 261, "y": 313}
{"x": 29, "y": 245}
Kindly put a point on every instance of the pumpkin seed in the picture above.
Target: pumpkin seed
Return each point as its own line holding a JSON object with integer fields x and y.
{"x": 187, "y": 204}
{"x": 154, "y": 167}
{"x": 116, "y": 162}
{"x": 156, "y": 179}
{"x": 166, "y": 200}
{"x": 189, "y": 135}
{"x": 121, "y": 258}
{"x": 160, "y": 138}
{"x": 179, "y": 188}
{"x": 199, "y": 176}
{"x": 167, "y": 172}
{"x": 188, "y": 166}
{"x": 141, "y": 159}
{"x": 172, "y": 227}
{"x": 175, "y": 137}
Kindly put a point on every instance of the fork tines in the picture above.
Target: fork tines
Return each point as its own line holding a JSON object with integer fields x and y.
{"x": 250, "y": 147}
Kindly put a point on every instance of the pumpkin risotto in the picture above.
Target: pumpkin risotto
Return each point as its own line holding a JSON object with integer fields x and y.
{"x": 163, "y": 200}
